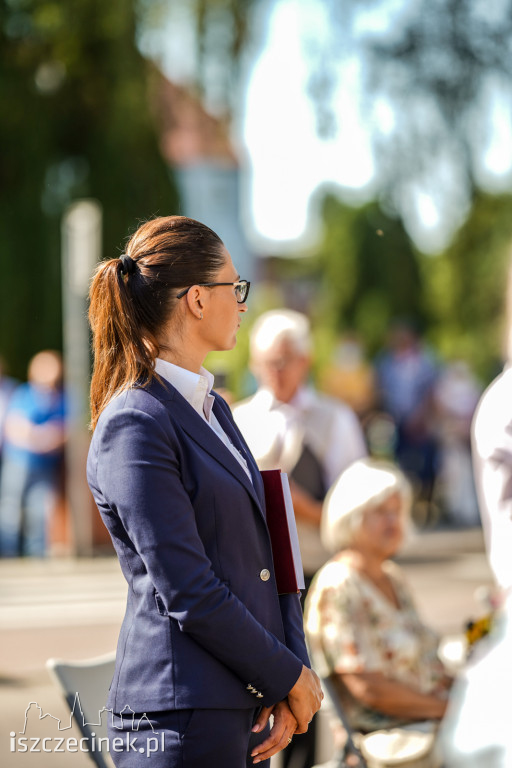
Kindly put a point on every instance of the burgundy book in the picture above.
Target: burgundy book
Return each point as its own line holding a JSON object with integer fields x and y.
{"x": 283, "y": 532}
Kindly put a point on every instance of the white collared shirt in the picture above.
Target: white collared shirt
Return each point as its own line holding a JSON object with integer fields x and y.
{"x": 275, "y": 431}
{"x": 196, "y": 389}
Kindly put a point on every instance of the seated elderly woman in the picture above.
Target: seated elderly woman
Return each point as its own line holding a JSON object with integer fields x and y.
{"x": 361, "y": 622}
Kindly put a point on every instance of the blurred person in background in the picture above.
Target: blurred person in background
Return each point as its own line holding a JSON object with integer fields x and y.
{"x": 311, "y": 437}
{"x": 349, "y": 376}
{"x": 406, "y": 377}
{"x": 456, "y": 395}
{"x": 34, "y": 438}
{"x": 491, "y": 447}
{"x": 476, "y": 732}
{"x": 7, "y": 387}
{"x": 362, "y": 626}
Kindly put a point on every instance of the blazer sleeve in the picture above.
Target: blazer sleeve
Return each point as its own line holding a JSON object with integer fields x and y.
{"x": 293, "y": 621}
{"x": 138, "y": 473}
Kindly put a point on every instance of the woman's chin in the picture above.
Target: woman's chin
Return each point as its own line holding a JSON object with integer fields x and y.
{"x": 391, "y": 547}
{"x": 394, "y": 548}
{"x": 225, "y": 346}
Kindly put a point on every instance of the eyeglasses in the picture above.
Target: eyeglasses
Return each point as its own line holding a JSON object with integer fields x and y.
{"x": 279, "y": 363}
{"x": 241, "y": 289}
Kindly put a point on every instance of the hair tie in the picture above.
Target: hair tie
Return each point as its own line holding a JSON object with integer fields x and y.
{"x": 127, "y": 264}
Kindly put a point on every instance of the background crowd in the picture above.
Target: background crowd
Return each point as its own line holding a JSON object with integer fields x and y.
{"x": 406, "y": 404}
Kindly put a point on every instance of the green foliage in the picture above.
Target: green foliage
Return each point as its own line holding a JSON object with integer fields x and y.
{"x": 75, "y": 122}
{"x": 441, "y": 69}
{"x": 466, "y": 287}
{"x": 370, "y": 271}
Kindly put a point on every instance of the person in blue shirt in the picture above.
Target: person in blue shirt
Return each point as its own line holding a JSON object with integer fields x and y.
{"x": 34, "y": 437}
{"x": 407, "y": 373}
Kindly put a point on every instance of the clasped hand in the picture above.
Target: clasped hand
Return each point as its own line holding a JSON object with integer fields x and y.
{"x": 305, "y": 698}
{"x": 283, "y": 728}
{"x": 290, "y": 717}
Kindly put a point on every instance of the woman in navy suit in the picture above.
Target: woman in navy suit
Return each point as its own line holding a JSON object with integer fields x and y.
{"x": 208, "y": 649}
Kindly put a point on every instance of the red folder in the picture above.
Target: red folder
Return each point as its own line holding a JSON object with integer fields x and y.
{"x": 283, "y": 532}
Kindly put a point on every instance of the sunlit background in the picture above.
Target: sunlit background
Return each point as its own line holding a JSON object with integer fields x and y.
{"x": 355, "y": 156}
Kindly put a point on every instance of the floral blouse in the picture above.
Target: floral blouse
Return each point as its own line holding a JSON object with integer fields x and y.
{"x": 352, "y": 626}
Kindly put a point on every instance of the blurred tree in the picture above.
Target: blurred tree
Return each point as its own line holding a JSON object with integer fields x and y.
{"x": 222, "y": 27}
{"x": 370, "y": 272}
{"x": 220, "y": 32}
{"x": 435, "y": 93}
{"x": 435, "y": 88}
{"x": 75, "y": 122}
{"x": 465, "y": 287}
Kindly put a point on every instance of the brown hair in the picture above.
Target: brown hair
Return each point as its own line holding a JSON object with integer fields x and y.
{"x": 129, "y": 307}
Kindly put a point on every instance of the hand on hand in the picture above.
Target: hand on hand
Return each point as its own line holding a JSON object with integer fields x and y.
{"x": 281, "y": 732}
{"x": 305, "y": 698}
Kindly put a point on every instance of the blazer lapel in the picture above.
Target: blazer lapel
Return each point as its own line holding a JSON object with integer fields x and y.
{"x": 198, "y": 429}
{"x": 240, "y": 444}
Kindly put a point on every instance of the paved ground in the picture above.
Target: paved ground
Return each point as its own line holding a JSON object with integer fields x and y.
{"x": 72, "y": 609}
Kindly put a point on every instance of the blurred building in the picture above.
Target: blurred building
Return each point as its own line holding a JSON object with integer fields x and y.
{"x": 198, "y": 147}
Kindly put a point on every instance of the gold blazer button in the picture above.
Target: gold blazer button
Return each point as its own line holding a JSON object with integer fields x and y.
{"x": 265, "y": 574}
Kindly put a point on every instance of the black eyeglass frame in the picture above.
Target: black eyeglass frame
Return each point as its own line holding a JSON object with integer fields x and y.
{"x": 245, "y": 283}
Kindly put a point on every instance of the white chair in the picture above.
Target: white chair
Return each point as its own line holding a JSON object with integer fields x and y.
{"x": 350, "y": 754}
{"x": 85, "y": 685}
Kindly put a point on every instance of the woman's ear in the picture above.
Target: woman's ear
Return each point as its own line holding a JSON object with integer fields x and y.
{"x": 195, "y": 300}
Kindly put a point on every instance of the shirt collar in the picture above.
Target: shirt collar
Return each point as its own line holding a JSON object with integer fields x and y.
{"x": 194, "y": 387}
{"x": 303, "y": 398}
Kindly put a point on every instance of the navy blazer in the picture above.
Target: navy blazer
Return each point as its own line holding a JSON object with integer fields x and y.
{"x": 204, "y": 625}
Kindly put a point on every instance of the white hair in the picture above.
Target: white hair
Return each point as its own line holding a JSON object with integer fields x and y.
{"x": 364, "y": 485}
{"x": 281, "y": 325}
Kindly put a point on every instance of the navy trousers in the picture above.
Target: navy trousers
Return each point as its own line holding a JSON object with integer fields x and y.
{"x": 187, "y": 738}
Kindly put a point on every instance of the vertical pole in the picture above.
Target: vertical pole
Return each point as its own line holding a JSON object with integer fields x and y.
{"x": 81, "y": 249}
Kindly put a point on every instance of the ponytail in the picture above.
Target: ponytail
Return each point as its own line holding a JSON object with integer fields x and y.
{"x": 122, "y": 355}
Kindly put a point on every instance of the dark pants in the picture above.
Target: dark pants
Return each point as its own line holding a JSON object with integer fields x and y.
{"x": 187, "y": 738}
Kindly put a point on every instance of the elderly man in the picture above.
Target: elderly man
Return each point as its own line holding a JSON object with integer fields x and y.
{"x": 289, "y": 425}
{"x": 312, "y": 437}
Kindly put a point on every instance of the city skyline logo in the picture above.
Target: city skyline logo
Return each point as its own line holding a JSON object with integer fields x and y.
{"x": 94, "y": 731}
{"x": 85, "y": 723}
